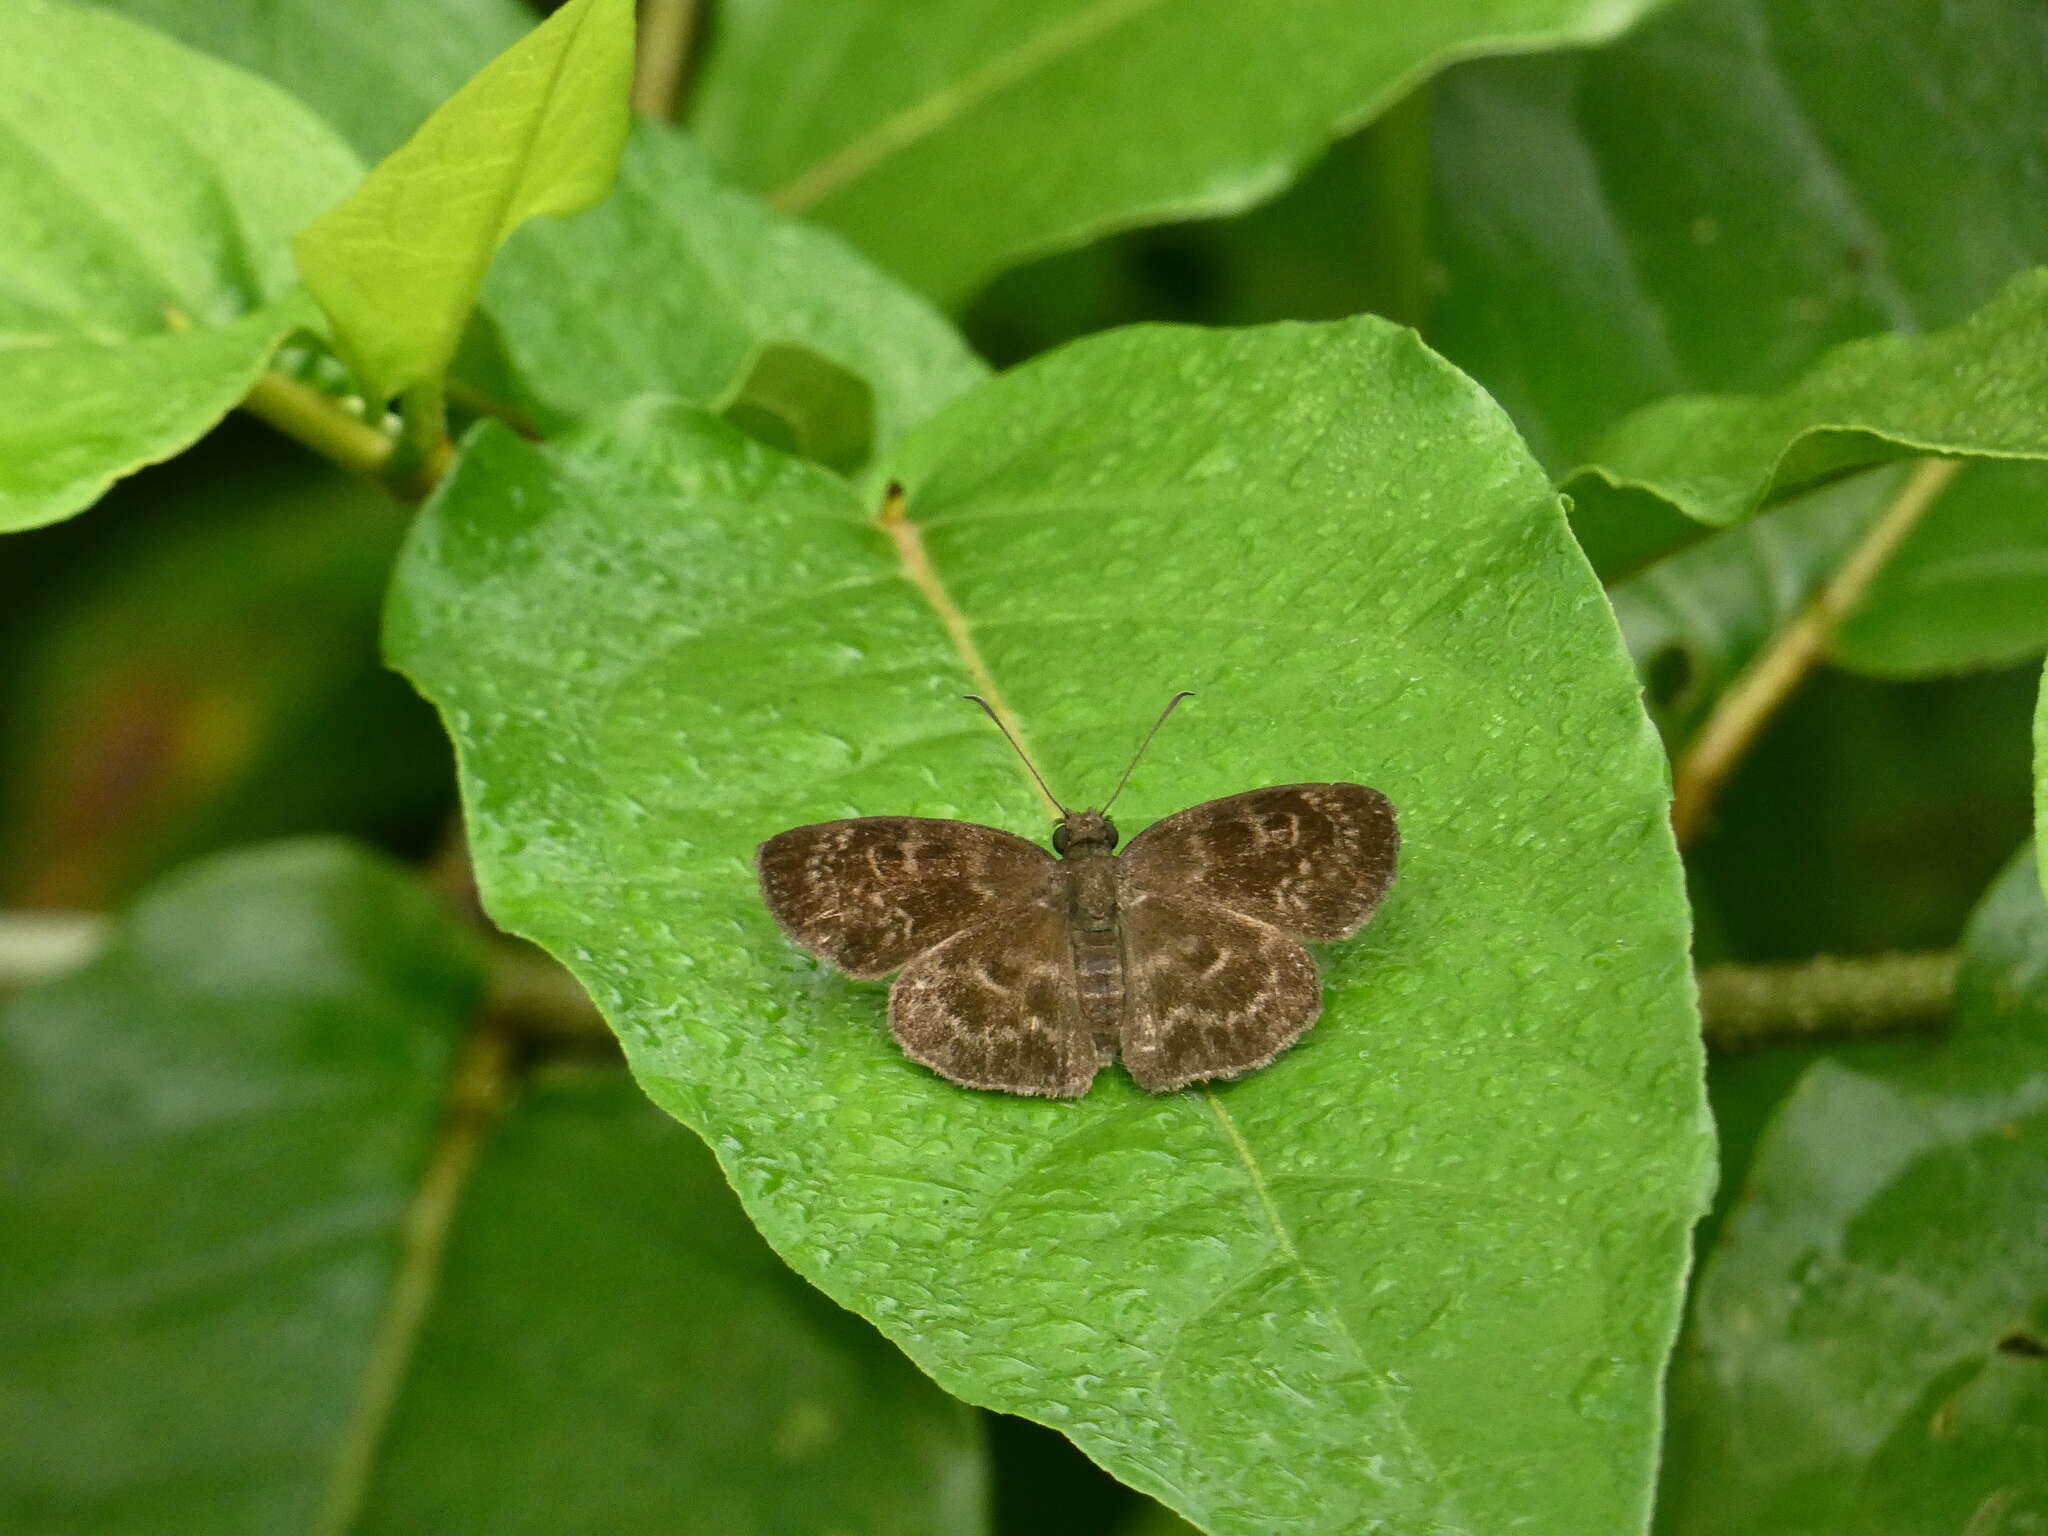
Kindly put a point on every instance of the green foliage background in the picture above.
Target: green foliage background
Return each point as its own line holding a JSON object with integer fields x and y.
{"x": 1545, "y": 371}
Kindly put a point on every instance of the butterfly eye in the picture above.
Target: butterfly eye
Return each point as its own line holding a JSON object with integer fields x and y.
{"x": 1059, "y": 838}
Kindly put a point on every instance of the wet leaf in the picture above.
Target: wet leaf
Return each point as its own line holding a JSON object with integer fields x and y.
{"x": 1286, "y": 1301}
{"x": 145, "y": 274}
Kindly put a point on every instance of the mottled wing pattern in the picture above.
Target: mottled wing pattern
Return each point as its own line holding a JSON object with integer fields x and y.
{"x": 871, "y": 893}
{"x": 1313, "y": 860}
{"x": 1208, "y": 993}
{"x": 996, "y": 1006}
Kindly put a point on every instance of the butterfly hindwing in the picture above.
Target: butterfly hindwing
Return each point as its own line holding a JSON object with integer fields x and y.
{"x": 996, "y": 1006}
{"x": 1208, "y": 993}
{"x": 871, "y": 893}
{"x": 1312, "y": 860}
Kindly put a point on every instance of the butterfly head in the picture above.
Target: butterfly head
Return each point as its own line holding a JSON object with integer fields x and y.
{"x": 1083, "y": 831}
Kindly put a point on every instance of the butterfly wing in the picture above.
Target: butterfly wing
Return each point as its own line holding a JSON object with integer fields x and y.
{"x": 871, "y": 893}
{"x": 996, "y": 1006}
{"x": 1312, "y": 860}
{"x": 1208, "y": 993}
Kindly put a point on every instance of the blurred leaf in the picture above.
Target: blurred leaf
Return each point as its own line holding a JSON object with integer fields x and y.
{"x": 1960, "y": 592}
{"x": 374, "y": 68}
{"x": 1968, "y": 588}
{"x": 1713, "y": 202}
{"x": 398, "y": 265}
{"x": 144, "y": 272}
{"x": 804, "y": 405}
{"x": 1283, "y": 1302}
{"x": 205, "y": 673}
{"x": 660, "y": 1371}
{"x": 208, "y": 1147}
{"x": 215, "y": 1147}
{"x": 1865, "y": 1325}
{"x": 1868, "y": 816}
{"x": 951, "y": 139}
{"x": 1978, "y": 389}
{"x": 676, "y": 284}
{"x": 2041, "y": 765}
{"x": 1697, "y": 619}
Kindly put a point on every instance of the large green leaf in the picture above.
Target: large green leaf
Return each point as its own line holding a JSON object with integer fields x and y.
{"x": 398, "y": 265}
{"x": 1864, "y": 1352}
{"x": 227, "y": 1206}
{"x": 145, "y": 273}
{"x": 948, "y": 139}
{"x": 1423, "y": 1270}
{"x": 1711, "y": 203}
{"x": 208, "y": 1147}
{"x": 676, "y": 283}
{"x": 661, "y": 1371}
{"x": 374, "y": 68}
{"x": 1977, "y": 389}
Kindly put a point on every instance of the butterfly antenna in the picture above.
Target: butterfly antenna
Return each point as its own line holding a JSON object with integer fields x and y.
{"x": 1120, "y": 783}
{"x": 1017, "y": 747}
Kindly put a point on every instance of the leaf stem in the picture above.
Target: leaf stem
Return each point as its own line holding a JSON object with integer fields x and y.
{"x": 476, "y": 1097}
{"x": 1750, "y": 702}
{"x": 1749, "y": 1005}
{"x": 321, "y": 423}
{"x": 662, "y": 55}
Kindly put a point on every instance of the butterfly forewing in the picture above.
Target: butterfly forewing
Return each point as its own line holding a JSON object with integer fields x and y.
{"x": 1208, "y": 993}
{"x": 995, "y": 1006}
{"x": 871, "y": 893}
{"x": 1312, "y": 860}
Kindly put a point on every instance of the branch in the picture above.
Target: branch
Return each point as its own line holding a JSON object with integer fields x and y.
{"x": 321, "y": 423}
{"x": 1763, "y": 687}
{"x": 1750, "y": 1005}
{"x": 661, "y": 55}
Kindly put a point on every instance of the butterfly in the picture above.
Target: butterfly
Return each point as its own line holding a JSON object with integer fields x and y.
{"x": 1028, "y": 972}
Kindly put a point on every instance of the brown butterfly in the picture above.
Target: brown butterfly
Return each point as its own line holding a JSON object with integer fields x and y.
{"x": 1028, "y": 974}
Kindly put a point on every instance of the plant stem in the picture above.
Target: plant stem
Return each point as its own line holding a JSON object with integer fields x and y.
{"x": 476, "y": 1097}
{"x": 1748, "y": 1005}
{"x": 662, "y": 53}
{"x": 1769, "y": 680}
{"x": 308, "y": 416}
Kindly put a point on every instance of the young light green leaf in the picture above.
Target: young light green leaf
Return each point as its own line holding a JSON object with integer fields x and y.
{"x": 209, "y": 1142}
{"x": 1863, "y": 1355}
{"x": 953, "y": 140}
{"x": 145, "y": 272}
{"x": 398, "y": 265}
{"x": 1420, "y": 1272}
{"x": 699, "y": 279}
{"x": 663, "y": 1371}
{"x": 374, "y": 71}
{"x": 228, "y": 1164}
{"x": 1711, "y": 203}
{"x": 1975, "y": 390}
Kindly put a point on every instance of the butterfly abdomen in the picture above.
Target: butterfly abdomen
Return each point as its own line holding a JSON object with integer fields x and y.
{"x": 1098, "y": 944}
